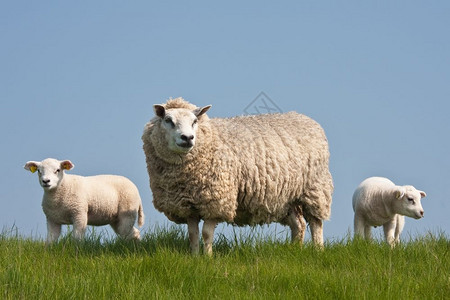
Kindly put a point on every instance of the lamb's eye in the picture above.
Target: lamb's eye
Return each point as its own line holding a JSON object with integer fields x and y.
{"x": 411, "y": 200}
{"x": 57, "y": 171}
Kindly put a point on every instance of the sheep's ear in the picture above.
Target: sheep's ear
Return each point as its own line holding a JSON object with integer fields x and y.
{"x": 160, "y": 111}
{"x": 201, "y": 110}
{"x": 422, "y": 194}
{"x": 67, "y": 165}
{"x": 31, "y": 166}
{"x": 399, "y": 193}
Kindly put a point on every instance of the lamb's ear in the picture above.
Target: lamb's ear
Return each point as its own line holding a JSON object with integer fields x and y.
{"x": 422, "y": 194}
{"x": 201, "y": 110}
{"x": 399, "y": 192}
{"x": 160, "y": 111}
{"x": 67, "y": 165}
{"x": 31, "y": 166}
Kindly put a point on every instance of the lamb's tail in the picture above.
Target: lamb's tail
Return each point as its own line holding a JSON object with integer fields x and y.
{"x": 141, "y": 216}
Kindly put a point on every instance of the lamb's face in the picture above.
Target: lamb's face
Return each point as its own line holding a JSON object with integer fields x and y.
{"x": 409, "y": 202}
{"x": 50, "y": 171}
{"x": 180, "y": 127}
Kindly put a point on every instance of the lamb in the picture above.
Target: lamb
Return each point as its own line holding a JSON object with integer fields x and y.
{"x": 81, "y": 201}
{"x": 244, "y": 170}
{"x": 378, "y": 201}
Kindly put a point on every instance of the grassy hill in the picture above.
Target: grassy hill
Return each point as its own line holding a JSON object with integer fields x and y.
{"x": 160, "y": 267}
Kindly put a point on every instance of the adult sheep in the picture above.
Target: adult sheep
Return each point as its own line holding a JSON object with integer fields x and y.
{"x": 377, "y": 201}
{"x": 244, "y": 170}
{"x": 81, "y": 201}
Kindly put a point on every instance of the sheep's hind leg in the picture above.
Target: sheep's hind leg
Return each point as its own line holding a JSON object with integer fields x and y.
{"x": 358, "y": 226}
{"x": 316, "y": 231}
{"x": 297, "y": 224}
{"x": 125, "y": 227}
{"x": 208, "y": 235}
{"x": 316, "y": 227}
{"x": 192, "y": 224}
{"x": 367, "y": 232}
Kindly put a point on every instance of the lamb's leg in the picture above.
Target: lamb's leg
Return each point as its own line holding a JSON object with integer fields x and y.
{"x": 208, "y": 235}
{"x": 79, "y": 226}
{"x": 192, "y": 224}
{"x": 399, "y": 227}
{"x": 53, "y": 231}
{"x": 125, "y": 226}
{"x": 389, "y": 230}
{"x": 360, "y": 228}
{"x": 367, "y": 232}
{"x": 297, "y": 224}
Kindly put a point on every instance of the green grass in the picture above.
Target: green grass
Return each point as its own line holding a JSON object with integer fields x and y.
{"x": 246, "y": 267}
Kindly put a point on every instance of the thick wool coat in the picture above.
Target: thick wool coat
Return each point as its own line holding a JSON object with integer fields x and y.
{"x": 243, "y": 170}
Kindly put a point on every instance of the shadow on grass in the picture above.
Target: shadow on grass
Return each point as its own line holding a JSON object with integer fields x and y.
{"x": 172, "y": 238}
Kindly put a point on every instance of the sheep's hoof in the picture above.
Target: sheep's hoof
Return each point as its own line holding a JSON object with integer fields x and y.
{"x": 208, "y": 250}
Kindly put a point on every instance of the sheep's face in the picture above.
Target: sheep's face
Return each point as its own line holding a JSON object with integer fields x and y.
{"x": 408, "y": 202}
{"x": 50, "y": 171}
{"x": 180, "y": 127}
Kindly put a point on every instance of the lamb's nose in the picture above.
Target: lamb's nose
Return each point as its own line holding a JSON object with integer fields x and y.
{"x": 421, "y": 213}
{"x": 187, "y": 138}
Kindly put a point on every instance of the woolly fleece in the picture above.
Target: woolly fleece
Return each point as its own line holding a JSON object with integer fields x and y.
{"x": 91, "y": 200}
{"x": 243, "y": 170}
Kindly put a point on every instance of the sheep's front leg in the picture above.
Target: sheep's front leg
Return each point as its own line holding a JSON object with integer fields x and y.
{"x": 192, "y": 224}
{"x": 208, "y": 235}
{"x": 79, "y": 226}
{"x": 53, "y": 231}
{"x": 389, "y": 230}
{"x": 399, "y": 228}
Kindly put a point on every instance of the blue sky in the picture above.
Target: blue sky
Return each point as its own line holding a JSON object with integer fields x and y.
{"x": 78, "y": 81}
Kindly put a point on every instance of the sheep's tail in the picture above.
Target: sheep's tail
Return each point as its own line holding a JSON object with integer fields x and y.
{"x": 141, "y": 216}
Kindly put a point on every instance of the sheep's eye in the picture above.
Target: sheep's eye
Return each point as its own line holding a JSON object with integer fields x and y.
{"x": 195, "y": 122}
{"x": 169, "y": 121}
{"x": 57, "y": 171}
{"x": 411, "y": 200}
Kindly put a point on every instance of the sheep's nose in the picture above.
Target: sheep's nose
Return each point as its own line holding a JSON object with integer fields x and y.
{"x": 45, "y": 180}
{"x": 421, "y": 213}
{"x": 187, "y": 138}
